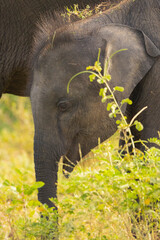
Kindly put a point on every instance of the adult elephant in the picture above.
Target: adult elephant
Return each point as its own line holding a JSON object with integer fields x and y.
{"x": 18, "y": 23}
{"x": 65, "y": 121}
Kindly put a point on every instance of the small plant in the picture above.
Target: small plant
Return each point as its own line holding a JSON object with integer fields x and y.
{"x": 109, "y": 94}
{"x": 79, "y": 13}
{"x": 19, "y": 198}
{"x": 132, "y": 174}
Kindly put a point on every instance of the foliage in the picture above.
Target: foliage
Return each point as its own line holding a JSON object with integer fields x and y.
{"x": 108, "y": 95}
{"x": 104, "y": 197}
{"x": 19, "y": 208}
{"x": 98, "y": 201}
{"x": 19, "y": 198}
{"x": 76, "y": 13}
{"x": 79, "y": 13}
{"x": 133, "y": 172}
{"x": 108, "y": 196}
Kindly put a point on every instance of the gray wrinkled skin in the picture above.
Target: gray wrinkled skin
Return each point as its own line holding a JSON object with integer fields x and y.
{"x": 18, "y": 24}
{"x": 65, "y": 121}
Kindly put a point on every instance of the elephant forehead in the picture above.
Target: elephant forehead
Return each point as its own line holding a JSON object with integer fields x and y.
{"x": 59, "y": 64}
{"x": 66, "y": 53}
{"x": 54, "y": 90}
{"x": 48, "y": 84}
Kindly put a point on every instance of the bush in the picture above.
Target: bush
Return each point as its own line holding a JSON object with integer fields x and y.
{"x": 98, "y": 201}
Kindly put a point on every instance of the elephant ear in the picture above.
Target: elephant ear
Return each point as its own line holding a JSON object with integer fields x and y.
{"x": 127, "y": 68}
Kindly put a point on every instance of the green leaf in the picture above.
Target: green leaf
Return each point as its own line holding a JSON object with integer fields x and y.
{"x": 38, "y": 184}
{"x": 19, "y": 172}
{"x": 109, "y": 97}
{"x": 97, "y": 66}
{"x": 102, "y": 92}
{"x": 6, "y": 182}
{"x": 138, "y": 125}
{"x": 92, "y": 77}
{"x": 19, "y": 189}
{"x": 118, "y": 122}
{"x": 126, "y": 100}
{"x": 28, "y": 190}
{"x": 114, "y": 108}
{"x": 108, "y": 77}
{"x": 104, "y": 99}
{"x": 109, "y": 105}
{"x": 100, "y": 80}
{"x": 154, "y": 140}
{"x": 111, "y": 115}
{"x": 89, "y": 68}
{"x": 9, "y": 210}
{"x": 119, "y": 89}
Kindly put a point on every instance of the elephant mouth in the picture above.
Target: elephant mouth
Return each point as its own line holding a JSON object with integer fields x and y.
{"x": 76, "y": 151}
{"x": 72, "y": 154}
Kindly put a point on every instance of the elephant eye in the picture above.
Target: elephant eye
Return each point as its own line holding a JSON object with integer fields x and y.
{"x": 63, "y": 106}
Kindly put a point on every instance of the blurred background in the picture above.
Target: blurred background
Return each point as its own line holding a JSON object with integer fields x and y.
{"x": 16, "y": 135}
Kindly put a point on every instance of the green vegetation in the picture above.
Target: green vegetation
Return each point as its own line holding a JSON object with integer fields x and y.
{"x": 107, "y": 197}
{"x": 75, "y": 12}
{"x": 135, "y": 174}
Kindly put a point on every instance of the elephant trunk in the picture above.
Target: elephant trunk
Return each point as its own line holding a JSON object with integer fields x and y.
{"x": 46, "y": 167}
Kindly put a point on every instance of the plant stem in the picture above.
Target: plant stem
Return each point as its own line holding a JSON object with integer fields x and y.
{"x": 132, "y": 120}
{"x": 128, "y": 128}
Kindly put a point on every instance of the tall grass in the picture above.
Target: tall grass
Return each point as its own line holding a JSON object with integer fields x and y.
{"x": 107, "y": 197}
{"x": 97, "y": 202}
